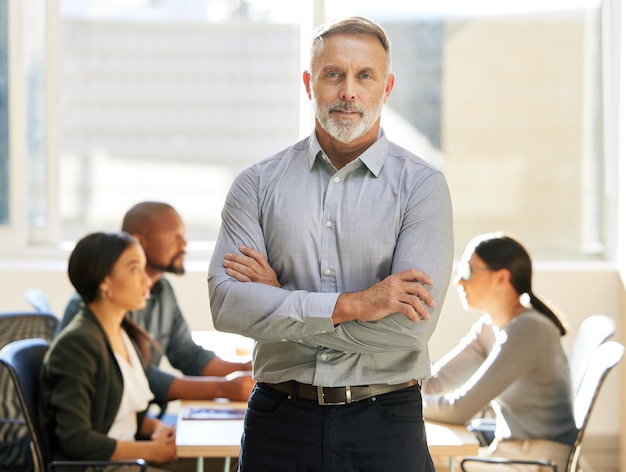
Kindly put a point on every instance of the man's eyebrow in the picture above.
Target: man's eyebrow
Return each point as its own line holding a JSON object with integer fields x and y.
{"x": 368, "y": 69}
{"x": 332, "y": 67}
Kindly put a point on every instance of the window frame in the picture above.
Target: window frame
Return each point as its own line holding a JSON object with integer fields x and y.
{"x": 18, "y": 239}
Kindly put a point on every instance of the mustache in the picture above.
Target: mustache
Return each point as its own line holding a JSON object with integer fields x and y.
{"x": 348, "y": 107}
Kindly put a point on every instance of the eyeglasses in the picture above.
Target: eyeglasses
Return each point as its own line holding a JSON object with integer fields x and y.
{"x": 465, "y": 270}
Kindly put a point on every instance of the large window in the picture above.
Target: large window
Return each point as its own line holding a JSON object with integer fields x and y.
{"x": 507, "y": 96}
{"x": 169, "y": 100}
{"x": 4, "y": 115}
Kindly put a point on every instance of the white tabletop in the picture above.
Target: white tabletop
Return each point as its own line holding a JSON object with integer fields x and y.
{"x": 221, "y": 437}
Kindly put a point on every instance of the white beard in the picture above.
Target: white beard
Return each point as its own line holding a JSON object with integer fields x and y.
{"x": 344, "y": 129}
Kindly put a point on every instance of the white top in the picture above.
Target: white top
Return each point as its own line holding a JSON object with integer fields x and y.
{"x": 136, "y": 395}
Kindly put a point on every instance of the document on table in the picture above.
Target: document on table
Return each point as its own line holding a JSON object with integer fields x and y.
{"x": 203, "y": 413}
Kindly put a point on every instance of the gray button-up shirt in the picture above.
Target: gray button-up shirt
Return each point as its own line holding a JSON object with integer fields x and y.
{"x": 326, "y": 232}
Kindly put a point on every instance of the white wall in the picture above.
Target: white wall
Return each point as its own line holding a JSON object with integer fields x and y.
{"x": 577, "y": 290}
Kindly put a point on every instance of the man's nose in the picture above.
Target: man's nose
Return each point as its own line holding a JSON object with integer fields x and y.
{"x": 348, "y": 88}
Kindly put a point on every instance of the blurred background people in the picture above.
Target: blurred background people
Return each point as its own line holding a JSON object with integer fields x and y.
{"x": 161, "y": 232}
{"x": 511, "y": 359}
{"x": 94, "y": 389}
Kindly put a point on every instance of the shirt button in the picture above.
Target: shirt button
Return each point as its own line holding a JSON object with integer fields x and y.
{"x": 323, "y": 357}
{"x": 329, "y": 224}
{"x": 327, "y": 271}
{"x": 336, "y": 179}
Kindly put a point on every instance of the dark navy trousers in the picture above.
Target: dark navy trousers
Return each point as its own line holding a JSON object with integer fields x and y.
{"x": 381, "y": 434}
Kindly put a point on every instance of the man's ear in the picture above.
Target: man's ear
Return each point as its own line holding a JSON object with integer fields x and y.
{"x": 306, "y": 78}
{"x": 389, "y": 83}
{"x": 139, "y": 237}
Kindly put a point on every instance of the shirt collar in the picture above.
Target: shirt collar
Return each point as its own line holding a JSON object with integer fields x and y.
{"x": 373, "y": 157}
{"x": 157, "y": 287}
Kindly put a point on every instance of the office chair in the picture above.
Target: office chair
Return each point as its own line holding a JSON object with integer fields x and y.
{"x": 22, "y": 359}
{"x": 38, "y": 300}
{"x": 593, "y": 331}
{"x": 16, "y": 325}
{"x": 14, "y": 443}
{"x": 604, "y": 358}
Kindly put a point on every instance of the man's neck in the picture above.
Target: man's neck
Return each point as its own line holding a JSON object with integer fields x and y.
{"x": 155, "y": 275}
{"x": 340, "y": 154}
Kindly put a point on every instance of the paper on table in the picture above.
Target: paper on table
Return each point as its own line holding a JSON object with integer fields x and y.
{"x": 213, "y": 414}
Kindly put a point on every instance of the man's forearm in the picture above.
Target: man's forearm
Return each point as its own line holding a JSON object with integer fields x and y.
{"x": 196, "y": 388}
{"x": 237, "y": 388}
{"x": 219, "y": 367}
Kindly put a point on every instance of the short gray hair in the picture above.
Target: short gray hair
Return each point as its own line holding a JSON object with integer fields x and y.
{"x": 350, "y": 25}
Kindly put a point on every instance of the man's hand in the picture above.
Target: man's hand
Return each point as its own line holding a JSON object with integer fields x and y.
{"x": 238, "y": 386}
{"x": 250, "y": 266}
{"x": 398, "y": 293}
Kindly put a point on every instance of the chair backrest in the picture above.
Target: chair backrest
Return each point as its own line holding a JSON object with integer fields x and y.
{"x": 26, "y": 324}
{"x": 22, "y": 360}
{"x": 14, "y": 434}
{"x": 38, "y": 300}
{"x": 604, "y": 358}
{"x": 593, "y": 331}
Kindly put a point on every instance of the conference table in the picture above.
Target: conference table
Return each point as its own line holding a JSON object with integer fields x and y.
{"x": 213, "y": 429}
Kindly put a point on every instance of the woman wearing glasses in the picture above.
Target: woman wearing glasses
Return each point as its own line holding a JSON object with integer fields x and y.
{"x": 512, "y": 358}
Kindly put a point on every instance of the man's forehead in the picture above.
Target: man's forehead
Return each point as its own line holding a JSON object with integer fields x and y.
{"x": 353, "y": 48}
{"x": 340, "y": 40}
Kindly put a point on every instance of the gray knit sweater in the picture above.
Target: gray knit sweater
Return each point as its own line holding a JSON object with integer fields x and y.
{"x": 520, "y": 369}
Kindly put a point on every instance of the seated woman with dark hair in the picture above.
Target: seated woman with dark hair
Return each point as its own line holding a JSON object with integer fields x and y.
{"x": 512, "y": 358}
{"x": 93, "y": 384}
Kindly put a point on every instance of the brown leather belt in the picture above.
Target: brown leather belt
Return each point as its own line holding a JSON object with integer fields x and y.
{"x": 337, "y": 395}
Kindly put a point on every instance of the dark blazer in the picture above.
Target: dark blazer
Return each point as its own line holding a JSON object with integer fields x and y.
{"x": 81, "y": 390}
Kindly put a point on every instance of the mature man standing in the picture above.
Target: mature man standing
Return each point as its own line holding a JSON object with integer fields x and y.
{"x": 351, "y": 224}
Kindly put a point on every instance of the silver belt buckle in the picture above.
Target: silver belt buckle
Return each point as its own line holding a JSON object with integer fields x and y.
{"x": 322, "y": 401}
